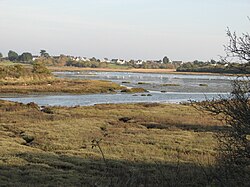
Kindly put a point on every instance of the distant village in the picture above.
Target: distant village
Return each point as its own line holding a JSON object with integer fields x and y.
{"x": 165, "y": 63}
{"x": 110, "y": 61}
{"x": 78, "y": 61}
{"x": 13, "y": 56}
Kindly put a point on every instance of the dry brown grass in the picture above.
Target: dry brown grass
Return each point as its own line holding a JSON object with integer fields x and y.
{"x": 135, "y": 151}
{"x": 59, "y": 85}
{"x": 133, "y": 90}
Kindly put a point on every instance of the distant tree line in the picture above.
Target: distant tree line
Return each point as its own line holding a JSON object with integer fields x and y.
{"x": 215, "y": 67}
{"x": 25, "y": 57}
{"x": 93, "y": 62}
{"x": 211, "y": 66}
{"x": 90, "y": 64}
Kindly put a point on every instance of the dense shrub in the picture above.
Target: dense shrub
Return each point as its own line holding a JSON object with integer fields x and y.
{"x": 233, "y": 158}
{"x": 19, "y": 71}
{"x": 86, "y": 64}
{"x": 231, "y": 68}
{"x": 40, "y": 68}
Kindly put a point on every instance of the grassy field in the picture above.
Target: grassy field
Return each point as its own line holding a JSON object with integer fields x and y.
{"x": 116, "y": 66}
{"x": 143, "y": 145}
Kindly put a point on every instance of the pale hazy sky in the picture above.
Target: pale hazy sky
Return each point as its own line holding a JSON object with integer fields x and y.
{"x": 138, "y": 29}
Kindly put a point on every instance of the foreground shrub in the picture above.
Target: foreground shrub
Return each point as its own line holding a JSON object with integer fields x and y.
{"x": 233, "y": 160}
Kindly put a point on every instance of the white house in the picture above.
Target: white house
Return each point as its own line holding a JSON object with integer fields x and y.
{"x": 118, "y": 61}
{"x": 121, "y": 61}
{"x": 35, "y": 58}
{"x": 105, "y": 60}
{"x": 85, "y": 59}
{"x": 139, "y": 62}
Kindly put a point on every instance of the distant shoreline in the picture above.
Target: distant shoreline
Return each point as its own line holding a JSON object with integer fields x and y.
{"x": 134, "y": 70}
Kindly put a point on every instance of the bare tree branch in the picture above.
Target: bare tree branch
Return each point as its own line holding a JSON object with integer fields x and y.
{"x": 238, "y": 47}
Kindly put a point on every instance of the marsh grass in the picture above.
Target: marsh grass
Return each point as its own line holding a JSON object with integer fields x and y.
{"x": 204, "y": 85}
{"x": 17, "y": 79}
{"x": 133, "y": 90}
{"x": 20, "y": 79}
{"x": 59, "y": 86}
{"x": 170, "y": 84}
{"x": 126, "y": 82}
{"x": 143, "y": 83}
{"x": 136, "y": 155}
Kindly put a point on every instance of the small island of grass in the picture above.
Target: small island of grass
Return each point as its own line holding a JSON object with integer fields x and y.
{"x": 133, "y": 90}
{"x": 143, "y": 83}
{"x": 20, "y": 79}
{"x": 170, "y": 84}
{"x": 204, "y": 85}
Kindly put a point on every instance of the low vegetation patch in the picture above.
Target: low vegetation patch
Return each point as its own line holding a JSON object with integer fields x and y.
{"x": 38, "y": 79}
{"x": 143, "y": 83}
{"x": 205, "y": 85}
{"x": 137, "y": 146}
{"x": 133, "y": 90}
{"x": 60, "y": 86}
{"x": 146, "y": 95}
{"x": 126, "y": 82}
{"x": 17, "y": 73}
{"x": 232, "y": 68}
{"x": 170, "y": 84}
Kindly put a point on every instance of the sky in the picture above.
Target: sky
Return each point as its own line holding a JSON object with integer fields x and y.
{"x": 129, "y": 29}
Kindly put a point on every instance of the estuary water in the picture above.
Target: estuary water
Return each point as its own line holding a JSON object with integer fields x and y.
{"x": 163, "y": 88}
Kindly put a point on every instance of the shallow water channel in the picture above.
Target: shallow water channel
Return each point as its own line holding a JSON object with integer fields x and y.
{"x": 164, "y": 88}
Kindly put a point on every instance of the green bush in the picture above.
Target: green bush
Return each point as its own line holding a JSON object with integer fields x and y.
{"x": 19, "y": 71}
{"x": 40, "y": 68}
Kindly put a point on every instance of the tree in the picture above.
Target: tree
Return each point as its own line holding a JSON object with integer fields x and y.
{"x": 62, "y": 60}
{"x": 1, "y": 55}
{"x": 25, "y": 57}
{"x": 43, "y": 53}
{"x": 166, "y": 60}
{"x": 12, "y": 56}
{"x": 212, "y": 61}
{"x": 233, "y": 160}
{"x": 238, "y": 47}
{"x": 93, "y": 59}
